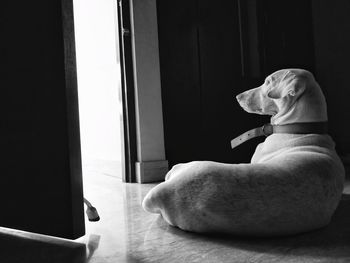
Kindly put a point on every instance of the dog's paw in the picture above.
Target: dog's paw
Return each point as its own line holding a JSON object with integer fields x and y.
{"x": 149, "y": 203}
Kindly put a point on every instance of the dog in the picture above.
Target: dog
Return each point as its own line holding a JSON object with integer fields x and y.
{"x": 292, "y": 185}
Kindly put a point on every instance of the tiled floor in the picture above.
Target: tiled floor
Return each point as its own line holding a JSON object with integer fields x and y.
{"x": 126, "y": 233}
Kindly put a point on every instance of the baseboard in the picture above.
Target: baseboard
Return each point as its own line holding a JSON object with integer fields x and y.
{"x": 152, "y": 171}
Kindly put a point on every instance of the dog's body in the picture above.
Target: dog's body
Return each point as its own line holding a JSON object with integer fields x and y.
{"x": 293, "y": 183}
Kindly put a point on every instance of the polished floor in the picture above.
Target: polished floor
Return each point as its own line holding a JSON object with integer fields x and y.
{"x": 126, "y": 233}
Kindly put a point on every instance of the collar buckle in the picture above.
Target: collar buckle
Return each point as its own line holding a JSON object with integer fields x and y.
{"x": 267, "y": 129}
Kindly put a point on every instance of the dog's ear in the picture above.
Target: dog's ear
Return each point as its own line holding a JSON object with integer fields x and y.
{"x": 293, "y": 87}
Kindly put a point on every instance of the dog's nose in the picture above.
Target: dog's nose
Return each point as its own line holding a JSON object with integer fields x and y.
{"x": 239, "y": 96}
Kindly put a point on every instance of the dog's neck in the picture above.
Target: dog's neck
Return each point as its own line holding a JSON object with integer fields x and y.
{"x": 310, "y": 107}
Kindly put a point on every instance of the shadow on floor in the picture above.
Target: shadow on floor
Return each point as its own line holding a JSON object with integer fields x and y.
{"x": 330, "y": 244}
{"x": 332, "y": 241}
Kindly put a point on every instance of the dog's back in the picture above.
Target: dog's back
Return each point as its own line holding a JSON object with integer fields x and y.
{"x": 288, "y": 189}
{"x": 313, "y": 176}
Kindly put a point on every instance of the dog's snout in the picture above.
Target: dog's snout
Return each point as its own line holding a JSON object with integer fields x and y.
{"x": 239, "y": 96}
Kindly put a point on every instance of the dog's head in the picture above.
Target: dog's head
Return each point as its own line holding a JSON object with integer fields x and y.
{"x": 281, "y": 92}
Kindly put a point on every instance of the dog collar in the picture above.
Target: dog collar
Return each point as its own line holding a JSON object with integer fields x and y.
{"x": 293, "y": 128}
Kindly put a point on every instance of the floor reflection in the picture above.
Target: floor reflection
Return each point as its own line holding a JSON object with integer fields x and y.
{"x": 126, "y": 233}
{"x": 25, "y": 247}
{"x": 92, "y": 246}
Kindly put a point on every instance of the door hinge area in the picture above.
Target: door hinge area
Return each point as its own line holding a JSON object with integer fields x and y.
{"x": 126, "y": 32}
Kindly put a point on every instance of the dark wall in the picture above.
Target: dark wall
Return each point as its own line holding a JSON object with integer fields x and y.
{"x": 332, "y": 41}
{"x": 41, "y": 188}
{"x": 209, "y": 53}
{"x": 200, "y": 76}
{"x": 287, "y": 39}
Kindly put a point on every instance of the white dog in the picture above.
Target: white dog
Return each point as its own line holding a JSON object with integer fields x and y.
{"x": 293, "y": 183}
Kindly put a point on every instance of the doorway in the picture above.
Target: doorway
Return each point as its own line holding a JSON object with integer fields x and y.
{"x": 100, "y": 106}
{"x": 98, "y": 73}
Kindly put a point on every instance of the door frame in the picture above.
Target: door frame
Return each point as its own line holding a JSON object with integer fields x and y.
{"x": 128, "y": 122}
{"x": 73, "y": 126}
{"x": 143, "y": 130}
